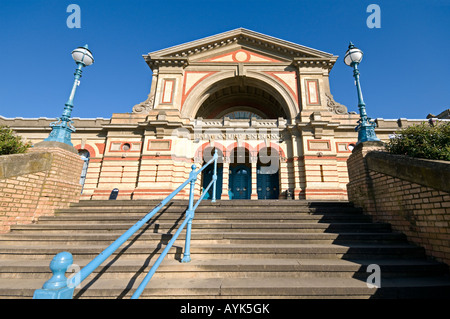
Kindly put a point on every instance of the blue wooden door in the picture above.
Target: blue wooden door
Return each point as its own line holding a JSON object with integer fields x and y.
{"x": 267, "y": 185}
{"x": 240, "y": 182}
{"x": 207, "y": 178}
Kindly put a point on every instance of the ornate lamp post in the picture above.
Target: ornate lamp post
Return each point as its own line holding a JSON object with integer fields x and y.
{"x": 63, "y": 128}
{"x": 365, "y": 127}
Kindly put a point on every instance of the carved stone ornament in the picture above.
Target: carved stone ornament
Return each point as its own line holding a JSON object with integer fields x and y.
{"x": 143, "y": 107}
{"x": 335, "y": 107}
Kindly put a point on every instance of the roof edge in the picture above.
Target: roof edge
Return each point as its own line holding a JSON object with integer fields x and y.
{"x": 233, "y": 34}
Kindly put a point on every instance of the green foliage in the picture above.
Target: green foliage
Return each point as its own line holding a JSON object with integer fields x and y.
{"x": 11, "y": 143}
{"x": 424, "y": 141}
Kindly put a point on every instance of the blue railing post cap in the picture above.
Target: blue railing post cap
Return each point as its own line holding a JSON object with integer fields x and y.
{"x": 58, "y": 266}
{"x": 193, "y": 166}
{"x": 56, "y": 287}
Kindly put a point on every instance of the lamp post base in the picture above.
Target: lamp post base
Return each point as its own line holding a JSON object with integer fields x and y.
{"x": 61, "y": 132}
{"x": 366, "y": 133}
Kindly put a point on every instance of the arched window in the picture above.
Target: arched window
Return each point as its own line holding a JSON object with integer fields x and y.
{"x": 242, "y": 115}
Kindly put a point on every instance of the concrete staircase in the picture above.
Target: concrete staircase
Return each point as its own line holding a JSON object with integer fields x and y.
{"x": 239, "y": 249}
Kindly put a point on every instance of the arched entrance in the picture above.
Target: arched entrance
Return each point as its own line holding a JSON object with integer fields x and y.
{"x": 239, "y": 99}
{"x": 207, "y": 174}
{"x": 240, "y": 174}
{"x": 268, "y": 184}
{"x": 236, "y": 99}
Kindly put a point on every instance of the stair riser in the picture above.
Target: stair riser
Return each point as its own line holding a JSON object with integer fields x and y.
{"x": 138, "y": 274}
{"x": 226, "y": 255}
{"x": 195, "y": 241}
{"x": 241, "y": 227}
{"x": 249, "y": 293}
{"x": 208, "y": 203}
{"x": 131, "y": 221}
{"x": 196, "y": 231}
{"x": 210, "y": 210}
{"x": 203, "y": 238}
{"x": 265, "y": 293}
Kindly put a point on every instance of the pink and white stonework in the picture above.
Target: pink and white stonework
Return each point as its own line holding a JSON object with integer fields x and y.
{"x": 244, "y": 93}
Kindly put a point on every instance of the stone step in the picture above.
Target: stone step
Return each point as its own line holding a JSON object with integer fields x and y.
{"x": 268, "y": 287}
{"x": 231, "y": 268}
{"x": 243, "y": 227}
{"x": 223, "y": 203}
{"x": 203, "y": 218}
{"x": 231, "y": 251}
{"x": 205, "y": 205}
{"x": 204, "y": 238}
{"x": 212, "y": 209}
{"x": 206, "y": 215}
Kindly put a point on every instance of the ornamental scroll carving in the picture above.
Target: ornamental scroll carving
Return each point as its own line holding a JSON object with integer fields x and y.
{"x": 335, "y": 107}
{"x": 144, "y": 107}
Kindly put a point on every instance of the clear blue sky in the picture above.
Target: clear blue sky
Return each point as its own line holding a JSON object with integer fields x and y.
{"x": 404, "y": 73}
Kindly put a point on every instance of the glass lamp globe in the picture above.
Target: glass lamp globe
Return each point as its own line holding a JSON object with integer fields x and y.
{"x": 353, "y": 55}
{"x": 83, "y": 55}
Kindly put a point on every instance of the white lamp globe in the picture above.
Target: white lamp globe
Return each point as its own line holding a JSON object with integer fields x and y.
{"x": 83, "y": 55}
{"x": 353, "y": 55}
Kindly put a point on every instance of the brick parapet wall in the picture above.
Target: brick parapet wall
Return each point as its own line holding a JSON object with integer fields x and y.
{"x": 37, "y": 183}
{"x": 410, "y": 194}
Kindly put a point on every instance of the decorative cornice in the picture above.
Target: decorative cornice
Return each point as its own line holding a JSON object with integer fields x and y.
{"x": 154, "y": 62}
{"x": 326, "y": 63}
{"x": 181, "y": 54}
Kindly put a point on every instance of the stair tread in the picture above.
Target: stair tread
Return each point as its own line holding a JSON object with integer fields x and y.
{"x": 233, "y": 245}
{"x": 198, "y": 223}
{"x": 196, "y": 263}
{"x": 261, "y": 235}
{"x": 282, "y": 285}
{"x": 201, "y": 217}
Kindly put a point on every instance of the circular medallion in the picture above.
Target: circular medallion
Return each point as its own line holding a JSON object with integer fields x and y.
{"x": 241, "y": 56}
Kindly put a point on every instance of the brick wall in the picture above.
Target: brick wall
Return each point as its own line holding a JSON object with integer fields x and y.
{"x": 37, "y": 183}
{"x": 413, "y": 195}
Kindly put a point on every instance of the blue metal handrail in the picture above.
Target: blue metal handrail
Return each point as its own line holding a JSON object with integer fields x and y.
{"x": 59, "y": 287}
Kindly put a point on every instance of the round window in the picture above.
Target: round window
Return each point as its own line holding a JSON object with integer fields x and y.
{"x": 126, "y": 147}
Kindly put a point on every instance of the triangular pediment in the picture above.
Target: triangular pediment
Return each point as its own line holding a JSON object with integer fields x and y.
{"x": 238, "y": 45}
{"x": 241, "y": 55}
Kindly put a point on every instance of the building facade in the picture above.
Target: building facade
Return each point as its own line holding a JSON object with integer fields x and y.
{"x": 263, "y": 103}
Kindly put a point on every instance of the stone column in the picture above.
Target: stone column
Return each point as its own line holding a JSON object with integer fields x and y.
{"x": 283, "y": 177}
{"x": 225, "y": 180}
{"x": 295, "y": 166}
{"x": 254, "y": 193}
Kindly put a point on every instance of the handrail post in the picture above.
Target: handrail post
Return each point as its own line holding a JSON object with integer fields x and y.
{"x": 57, "y": 287}
{"x": 214, "y": 177}
{"x": 190, "y": 216}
